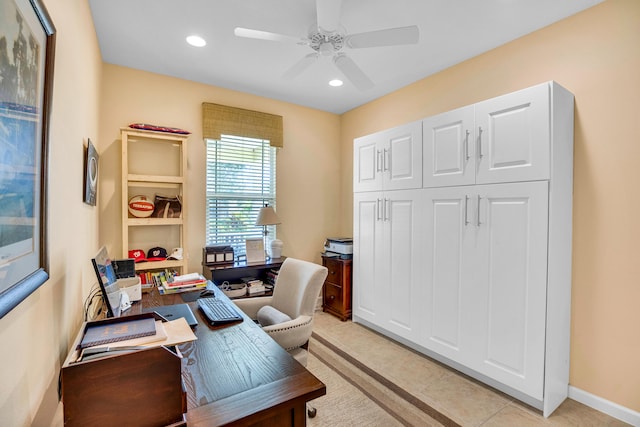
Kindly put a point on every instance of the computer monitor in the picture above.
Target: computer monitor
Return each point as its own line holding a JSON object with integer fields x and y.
{"x": 106, "y": 275}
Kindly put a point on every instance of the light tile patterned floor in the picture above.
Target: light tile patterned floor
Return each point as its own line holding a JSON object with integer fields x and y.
{"x": 460, "y": 398}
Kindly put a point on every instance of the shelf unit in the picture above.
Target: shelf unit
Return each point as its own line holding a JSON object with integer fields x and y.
{"x": 154, "y": 163}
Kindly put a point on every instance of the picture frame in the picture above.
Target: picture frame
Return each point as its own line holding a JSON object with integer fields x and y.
{"x": 91, "y": 174}
{"x": 25, "y": 103}
{"x": 254, "y": 248}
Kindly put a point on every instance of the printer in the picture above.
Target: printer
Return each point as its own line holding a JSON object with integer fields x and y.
{"x": 339, "y": 247}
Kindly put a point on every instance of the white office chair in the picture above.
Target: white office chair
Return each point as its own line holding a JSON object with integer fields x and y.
{"x": 287, "y": 316}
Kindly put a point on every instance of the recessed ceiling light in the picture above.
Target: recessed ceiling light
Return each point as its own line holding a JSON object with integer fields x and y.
{"x": 335, "y": 83}
{"x": 196, "y": 41}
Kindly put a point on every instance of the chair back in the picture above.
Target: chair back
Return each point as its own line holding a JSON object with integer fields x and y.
{"x": 298, "y": 287}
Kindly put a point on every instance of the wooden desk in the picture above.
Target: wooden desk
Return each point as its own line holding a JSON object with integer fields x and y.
{"x": 237, "y": 375}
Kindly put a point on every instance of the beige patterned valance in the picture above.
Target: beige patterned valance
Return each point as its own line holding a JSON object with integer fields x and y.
{"x": 221, "y": 119}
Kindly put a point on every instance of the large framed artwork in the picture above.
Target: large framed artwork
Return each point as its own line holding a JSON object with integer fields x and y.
{"x": 27, "y": 43}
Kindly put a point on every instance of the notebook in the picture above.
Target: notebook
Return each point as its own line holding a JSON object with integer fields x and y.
{"x": 175, "y": 311}
{"x": 112, "y": 332}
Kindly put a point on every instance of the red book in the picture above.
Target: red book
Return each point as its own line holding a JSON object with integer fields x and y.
{"x": 185, "y": 283}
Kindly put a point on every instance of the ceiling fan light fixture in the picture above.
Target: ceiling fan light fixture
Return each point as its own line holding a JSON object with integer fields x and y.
{"x": 336, "y": 83}
{"x": 326, "y": 49}
{"x": 196, "y": 41}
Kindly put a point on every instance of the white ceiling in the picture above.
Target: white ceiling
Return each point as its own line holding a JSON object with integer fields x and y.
{"x": 150, "y": 35}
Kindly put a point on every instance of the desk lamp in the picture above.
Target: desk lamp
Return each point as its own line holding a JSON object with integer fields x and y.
{"x": 267, "y": 216}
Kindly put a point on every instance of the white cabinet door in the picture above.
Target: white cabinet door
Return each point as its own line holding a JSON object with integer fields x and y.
{"x": 402, "y": 157}
{"x": 401, "y": 246}
{"x": 367, "y": 163}
{"x": 448, "y": 259}
{"x": 513, "y": 136}
{"x": 387, "y": 239}
{"x": 510, "y": 285}
{"x": 388, "y": 160}
{"x": 367, "y": 244}
{"x": 449, "y": 149}
{"x": 486, "y": 261}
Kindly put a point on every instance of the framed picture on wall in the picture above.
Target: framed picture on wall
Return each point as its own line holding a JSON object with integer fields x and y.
{"x": 91, "y": 175}
{"x": 28, "y": 41}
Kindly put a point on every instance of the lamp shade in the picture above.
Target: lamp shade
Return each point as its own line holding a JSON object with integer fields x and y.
{"x": 267, "y": 216}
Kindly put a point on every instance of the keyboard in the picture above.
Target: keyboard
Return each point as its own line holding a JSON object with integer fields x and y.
{"x": 218, "y": 312}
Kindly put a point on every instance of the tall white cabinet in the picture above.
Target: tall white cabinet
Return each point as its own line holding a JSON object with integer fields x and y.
{"x": 483, "y": 272}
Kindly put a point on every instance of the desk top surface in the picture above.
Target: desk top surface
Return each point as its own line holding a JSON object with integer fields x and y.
{"x": 234, "y": 371}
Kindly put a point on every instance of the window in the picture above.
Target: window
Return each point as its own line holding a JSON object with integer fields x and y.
{"x": 241, "y": 178}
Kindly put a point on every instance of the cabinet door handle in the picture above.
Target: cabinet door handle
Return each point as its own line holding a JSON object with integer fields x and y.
{"x": 386, "y": 210}
{"x": 386, "y": 161}
{"x": 466, "y": 216}
{"x": 378, "y": 204}
{"x": 480, "y": 142}
{"x": 378, "y": 161}
{"x": 466, "y": 146}
{"x": 479, "y": 198}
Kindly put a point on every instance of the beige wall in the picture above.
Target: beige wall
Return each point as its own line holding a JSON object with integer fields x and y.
{"x": 36, "y": 334}
{"x": 595, "y": 55}
{"x": 308, "y": 166}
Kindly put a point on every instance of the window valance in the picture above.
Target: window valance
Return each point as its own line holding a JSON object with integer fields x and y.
{"x": 221, "y": 119}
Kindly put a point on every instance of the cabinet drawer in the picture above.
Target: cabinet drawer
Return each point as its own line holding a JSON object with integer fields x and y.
{"x": 333, "y": 296}
{"x": 334, "y": 274}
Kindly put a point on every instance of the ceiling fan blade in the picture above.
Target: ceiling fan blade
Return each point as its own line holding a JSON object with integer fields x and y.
{"x": 300, "y": 66}
{"x": 328, "y": 14}
{"x": 266, "y": 35}
{"x": 352, "y": 72}
{"x": 388, "y": 37}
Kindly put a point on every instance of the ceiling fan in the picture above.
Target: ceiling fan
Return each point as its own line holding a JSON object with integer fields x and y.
{"x": 328, "y": 38}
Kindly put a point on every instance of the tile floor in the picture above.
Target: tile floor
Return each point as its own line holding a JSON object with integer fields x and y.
{"x": 460, "y": 398}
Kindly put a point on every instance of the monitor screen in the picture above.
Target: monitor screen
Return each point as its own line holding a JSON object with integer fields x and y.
{"x": 107, "y": 280}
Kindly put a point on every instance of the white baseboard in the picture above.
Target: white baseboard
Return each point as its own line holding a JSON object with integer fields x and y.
{"x": 610, "y": 408}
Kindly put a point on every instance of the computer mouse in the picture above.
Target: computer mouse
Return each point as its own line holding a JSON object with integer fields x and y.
{"x": 207, "y": 293}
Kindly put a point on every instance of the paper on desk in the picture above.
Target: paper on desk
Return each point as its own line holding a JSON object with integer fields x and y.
{"x": 178, "y": 332}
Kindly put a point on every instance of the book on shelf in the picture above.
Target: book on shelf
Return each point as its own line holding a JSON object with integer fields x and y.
{"x": 99, "y": 334}
{"x": 256, "y": 290}
{"x": 149, "y": 279}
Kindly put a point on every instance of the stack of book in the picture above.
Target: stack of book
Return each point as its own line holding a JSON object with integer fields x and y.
{"x": 271, "y": 277}
{"x": 254, "y": 286}
{"x": 184, "y": 283}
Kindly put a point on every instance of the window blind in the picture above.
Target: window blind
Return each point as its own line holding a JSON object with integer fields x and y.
{"x": 241, "y": 178}
{"x": 221, "y": 119}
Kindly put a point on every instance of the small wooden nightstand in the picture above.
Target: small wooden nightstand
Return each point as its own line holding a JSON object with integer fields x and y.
{"x": 336, "y": 292}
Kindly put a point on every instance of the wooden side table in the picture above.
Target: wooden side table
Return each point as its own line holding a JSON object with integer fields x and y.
{"x": 336, "y": 292}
